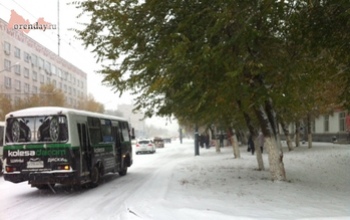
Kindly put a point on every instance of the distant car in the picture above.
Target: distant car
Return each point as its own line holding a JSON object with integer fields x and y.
{"x": 145, "y": 146}
{"x": 159, "y": 142}
{"x": 167, "y": 140}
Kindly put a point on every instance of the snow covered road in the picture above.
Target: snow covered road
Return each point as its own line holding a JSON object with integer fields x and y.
{"x": 174, "y": 184}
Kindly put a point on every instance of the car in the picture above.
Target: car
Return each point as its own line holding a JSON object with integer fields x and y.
{"x": 145, "y": 146}
{"x": 167, "y": 140}
{"x": 159, "y": 142}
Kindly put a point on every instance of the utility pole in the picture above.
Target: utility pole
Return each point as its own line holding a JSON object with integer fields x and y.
{"x": 58, "y": 27}
{"x": 180, "y": 135}
{"x": 196, "y": 140}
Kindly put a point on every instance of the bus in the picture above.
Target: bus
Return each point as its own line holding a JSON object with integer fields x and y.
{"x": 55, "y": 145}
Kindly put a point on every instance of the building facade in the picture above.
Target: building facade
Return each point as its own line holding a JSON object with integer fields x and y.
{"x": 25, "y": 65}
{"x": 333, "y": 127}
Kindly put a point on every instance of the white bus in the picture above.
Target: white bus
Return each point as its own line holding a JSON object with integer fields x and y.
{"x": 50, "y": 145}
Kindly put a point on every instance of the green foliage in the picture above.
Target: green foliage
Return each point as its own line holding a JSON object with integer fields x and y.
{"x": 196, "y": 59}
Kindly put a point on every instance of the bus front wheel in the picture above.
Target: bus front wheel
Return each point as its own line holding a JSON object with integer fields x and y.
{"x": 95, "y": 176}
{"x": 124, "y": 169}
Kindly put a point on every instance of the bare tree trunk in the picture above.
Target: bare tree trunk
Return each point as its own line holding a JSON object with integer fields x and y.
{"x": 243, "y": 138}
{"x": 286, "y": 133}
{"x": 234, "y": 141}
{"x": 268, "y": 128}
{"x": 258, "y": 154}
{"x": 309, "y": 132}
{"x": 254, "y": 133}
{"x": 297, "y": 133}
{"x": 217, "y": 145}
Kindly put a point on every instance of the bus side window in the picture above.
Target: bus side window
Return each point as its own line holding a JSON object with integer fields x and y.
{"x": 125, "y": 131}
{"x": 94, "y": 130}
{"x": 107, "y": 133}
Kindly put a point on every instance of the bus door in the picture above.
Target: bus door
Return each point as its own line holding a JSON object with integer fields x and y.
{"x": 85, "y": 149}
{"x": 118, "y": 145}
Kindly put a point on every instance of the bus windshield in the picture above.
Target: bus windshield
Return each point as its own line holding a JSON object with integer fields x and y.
{"x": 49, "y": 128}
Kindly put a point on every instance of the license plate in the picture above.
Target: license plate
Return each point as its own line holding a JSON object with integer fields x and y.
{"x": 35, "y": 164}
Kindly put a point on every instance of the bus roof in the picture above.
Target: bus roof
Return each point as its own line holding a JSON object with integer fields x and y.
{"x": 52, "y": 110}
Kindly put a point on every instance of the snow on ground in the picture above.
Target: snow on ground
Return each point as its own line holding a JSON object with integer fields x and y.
{"x": 175, "y": 184}
{"x": 216, "y": 186}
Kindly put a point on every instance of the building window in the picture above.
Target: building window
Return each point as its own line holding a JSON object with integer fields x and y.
{"x": 18, "y": 69}
{"x": 26, "y": 72}
{"x": 42, "y": 78}
{"x": 53, "y": 69}
{"x": 69, "y": 90}
{"x": 35, "y": 89}
{"x": 326, "y": 123}
{"x": 7, "y": 65}
{"x": 342, "y": 121}
{"x": 7, "y": 82}
{"x": 48, "y": 80}
{"x": 65, "y": 77}
{"x": 17, "y": 52}
{"x": 26, "y": 57}
{"x": 35, "y": 76}
{"x": 40, "y": 63}
{"x": 26, "y": 87}
{"x": 65, "y": 88}
{"x": 59, "y": 72}
{"x": 7, "y": 48}
{"x": 47, "y": 67}
{"x": 34, "y": 59}
{"x": 18, "y": 85}
{"x": 54, "y": 83}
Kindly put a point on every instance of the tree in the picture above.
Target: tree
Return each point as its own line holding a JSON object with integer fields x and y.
{"x": 197, "y": 59}
{"x": 90, "y": 104}
{"x": 47, "y": 96}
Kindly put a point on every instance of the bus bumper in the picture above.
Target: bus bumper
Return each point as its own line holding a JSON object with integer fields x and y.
{"x": 44, "y": 178}
{"x": 15, "y": 177}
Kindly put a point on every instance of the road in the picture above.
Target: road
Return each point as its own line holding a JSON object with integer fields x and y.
{"x": 115, "y": 198}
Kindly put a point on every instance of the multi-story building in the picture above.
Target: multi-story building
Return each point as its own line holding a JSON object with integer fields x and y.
{"x": 25, "y": 65}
